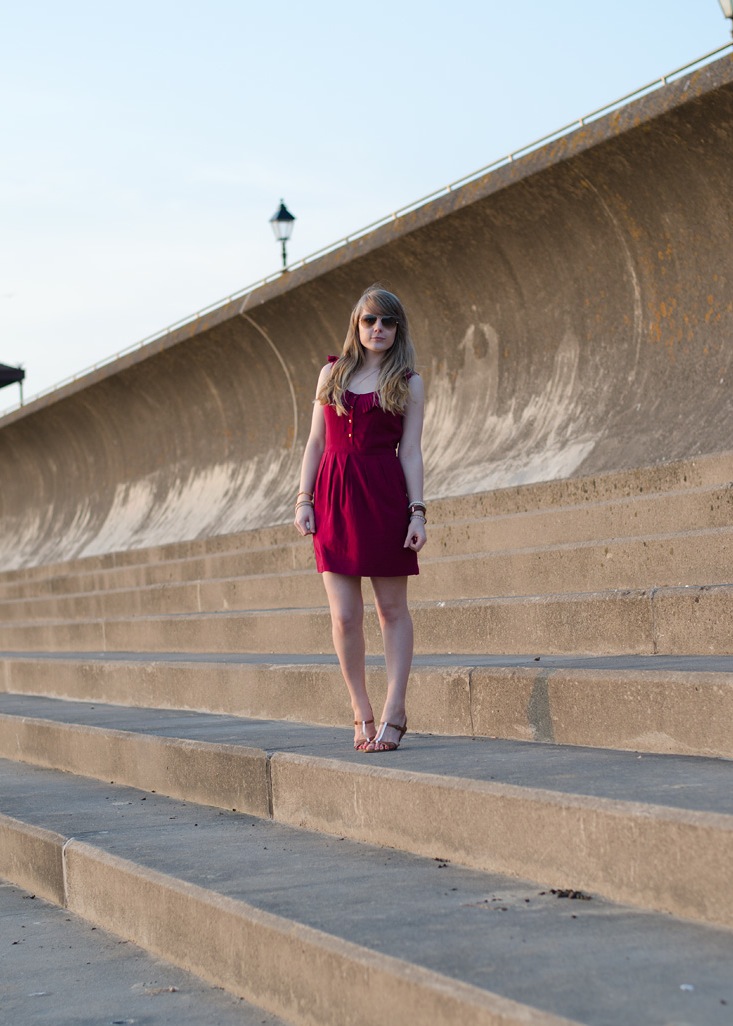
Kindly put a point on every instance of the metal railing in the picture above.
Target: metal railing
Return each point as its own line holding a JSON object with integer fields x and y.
{"x": 559, "y": 133}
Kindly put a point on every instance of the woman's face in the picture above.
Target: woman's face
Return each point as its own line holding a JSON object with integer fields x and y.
{"x": 377, "y": 331}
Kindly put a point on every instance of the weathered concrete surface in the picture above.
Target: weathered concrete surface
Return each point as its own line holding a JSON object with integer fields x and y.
{"x": 572, "y": 311}
{"x": 303, "y": 974}
{"x": 223, "y": 775}
{"x": 31, "y": 857}
{"x": 359, "y": 928}
{"x": 529, "y": 832}
{"x": 683, "y": 495}
{"x": 60, "y": 971}
{"x": 613, "y": 510}
{"x": 655, "y": 621}
{"x": 655, "y": 833}
{"x": 647, "y": 704}
{"x": 673, "y": 560}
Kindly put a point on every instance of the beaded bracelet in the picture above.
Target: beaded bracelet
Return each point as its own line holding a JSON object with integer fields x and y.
{"x": 309, "y": 494}
{"x": 303, "y": 502}
{"x": 419, "y": 516}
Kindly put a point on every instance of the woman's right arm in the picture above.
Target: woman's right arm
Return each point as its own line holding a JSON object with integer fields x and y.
{"x": 305, "y": 519}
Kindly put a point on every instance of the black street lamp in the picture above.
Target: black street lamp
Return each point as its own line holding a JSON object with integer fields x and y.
{"x": 727, "y": 6}
{"x": 282, "y": 222}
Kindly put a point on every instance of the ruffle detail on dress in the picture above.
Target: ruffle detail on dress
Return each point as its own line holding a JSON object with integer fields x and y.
{"x": 361, "y": 401}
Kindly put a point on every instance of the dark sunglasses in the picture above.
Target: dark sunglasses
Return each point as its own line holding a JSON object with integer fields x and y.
{"x": 369, "y": 320}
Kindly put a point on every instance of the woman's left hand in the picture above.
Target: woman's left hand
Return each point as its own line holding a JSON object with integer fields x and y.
{"x": 416, "y": 535}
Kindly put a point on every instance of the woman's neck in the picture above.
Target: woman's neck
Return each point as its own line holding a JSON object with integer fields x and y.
{"x": 366, "y": 375}
{"x": 371, "y": 362}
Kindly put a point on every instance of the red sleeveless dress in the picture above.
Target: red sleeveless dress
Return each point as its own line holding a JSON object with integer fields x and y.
{"x": 360, "y": 496}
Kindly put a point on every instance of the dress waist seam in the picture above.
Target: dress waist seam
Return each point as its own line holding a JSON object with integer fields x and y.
{"x": 354, "y": 451}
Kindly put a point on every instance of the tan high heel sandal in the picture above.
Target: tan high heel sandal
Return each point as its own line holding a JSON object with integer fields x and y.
{"x": 360, "y": 743}
{"x": 378, "y": 745}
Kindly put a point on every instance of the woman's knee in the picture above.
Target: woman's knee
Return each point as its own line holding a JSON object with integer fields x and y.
{"x": 392, "y": 613}
{"x": 347, "y": 619}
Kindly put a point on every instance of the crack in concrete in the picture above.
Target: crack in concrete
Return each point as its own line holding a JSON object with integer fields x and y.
{"x": 539, "y": 712}
{"x": 653, "y": 618}
{"x": 469, "y": 681}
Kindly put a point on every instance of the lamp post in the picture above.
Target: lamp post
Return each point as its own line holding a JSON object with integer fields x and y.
{"x": 727, "y": 6}
{"x": 282, "y": 222}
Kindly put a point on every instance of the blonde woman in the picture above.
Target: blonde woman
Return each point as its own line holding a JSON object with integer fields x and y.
{"x": 360, "y": 497}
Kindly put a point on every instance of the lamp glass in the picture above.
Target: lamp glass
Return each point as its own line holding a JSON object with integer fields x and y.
{"x": 282, "y": 222}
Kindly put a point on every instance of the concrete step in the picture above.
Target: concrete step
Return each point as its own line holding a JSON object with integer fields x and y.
{"x": 58, "y": 969}
{"x": 652, "y": 831}
{"x": 619, "y": 517}
{"x": 584, "y": 510}
{"x": 697, "y": 557}
{"x": 264, "y": 537}
{"x": 245, "y": 559}
{"x": 326, "y": 930}
{"x": 663, "y": 621}
{"x": 663, "y": 704}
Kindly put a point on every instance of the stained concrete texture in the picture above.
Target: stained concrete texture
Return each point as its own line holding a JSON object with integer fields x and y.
{"x": 572, "y": 314}
{"x": 695, "y": 663}
{"x": 650, "y": 831}
{"x": 589, "y": 960}
{"x": 59, "y": 970}
{"x": 673, "y": 781}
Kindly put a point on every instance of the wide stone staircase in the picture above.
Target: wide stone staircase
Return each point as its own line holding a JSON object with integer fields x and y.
{"x": 553, "y": 841}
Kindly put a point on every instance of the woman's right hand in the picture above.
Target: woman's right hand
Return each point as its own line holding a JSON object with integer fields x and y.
{"x": 305, "y": 520}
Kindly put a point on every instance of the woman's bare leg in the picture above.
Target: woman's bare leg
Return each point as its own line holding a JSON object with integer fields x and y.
{"x": 390, "y": 594}
{"x": 347, "y": 624}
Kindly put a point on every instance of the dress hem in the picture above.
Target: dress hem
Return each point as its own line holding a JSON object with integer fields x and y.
{"x": 365, "y": 573}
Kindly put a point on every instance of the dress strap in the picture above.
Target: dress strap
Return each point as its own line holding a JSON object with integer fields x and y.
{"x": 332, "y": 359}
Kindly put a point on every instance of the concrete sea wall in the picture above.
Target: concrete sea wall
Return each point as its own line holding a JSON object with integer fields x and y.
{"x": 573, "y": 313}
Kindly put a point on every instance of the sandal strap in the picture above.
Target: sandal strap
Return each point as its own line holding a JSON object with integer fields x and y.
{"x": 401, "y": 728}
{"x": 361, "y": 742}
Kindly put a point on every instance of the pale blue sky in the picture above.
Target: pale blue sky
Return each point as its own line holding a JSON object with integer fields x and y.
{"x": 146, "y": 145}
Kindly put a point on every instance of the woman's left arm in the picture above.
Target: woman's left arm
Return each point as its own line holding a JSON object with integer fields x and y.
{"x": 410, "y": 456}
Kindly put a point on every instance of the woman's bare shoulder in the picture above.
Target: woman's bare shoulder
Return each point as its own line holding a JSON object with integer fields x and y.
{"x": 324, "y": 373}
{"x": 415, "y": 385}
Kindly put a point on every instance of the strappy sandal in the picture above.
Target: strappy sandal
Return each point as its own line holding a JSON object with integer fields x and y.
{"x": 378, "y": 745}
{"x": 360, "y": 743}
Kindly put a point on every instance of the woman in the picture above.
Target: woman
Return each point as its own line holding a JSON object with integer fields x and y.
{"x": 361, "y": 499}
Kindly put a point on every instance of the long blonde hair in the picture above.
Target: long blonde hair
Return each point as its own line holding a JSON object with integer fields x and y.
{"x": 397, "y": 362}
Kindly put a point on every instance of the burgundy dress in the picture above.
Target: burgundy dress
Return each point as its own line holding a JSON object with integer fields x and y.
{"x": 360, "y": 496}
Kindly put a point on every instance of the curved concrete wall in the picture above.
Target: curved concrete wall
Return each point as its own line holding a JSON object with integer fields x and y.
{"x": 573, "y": 313}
